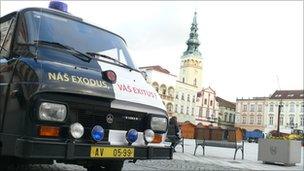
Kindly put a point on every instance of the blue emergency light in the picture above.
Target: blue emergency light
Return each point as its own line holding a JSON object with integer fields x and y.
{"x": 97, "y": 133}
{"x": 57, "y": 5}
{"x": 132, "y": 135}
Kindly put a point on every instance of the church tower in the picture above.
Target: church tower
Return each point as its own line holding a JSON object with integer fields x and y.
{"x": 191, "y": 61}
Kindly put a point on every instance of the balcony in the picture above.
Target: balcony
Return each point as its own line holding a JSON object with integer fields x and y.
{"x": 166, "y": 97}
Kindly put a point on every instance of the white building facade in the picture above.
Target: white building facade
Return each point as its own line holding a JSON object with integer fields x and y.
{"x": 208, "y": 107}
{"x": 163, "y": 82}
{"x": 251, "y": 113}
{"x": 291, "y": 116}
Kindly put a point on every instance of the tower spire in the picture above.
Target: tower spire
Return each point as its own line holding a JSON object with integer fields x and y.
{"x": 193, "y": 41}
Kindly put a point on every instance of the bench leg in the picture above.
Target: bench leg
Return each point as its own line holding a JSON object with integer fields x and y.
{"x": 195, "y": 149}
{"x": 243, "y": 153}
{"x": 183, "y": 145}
{"x": 235, "y": 153}
{"x": 242, "y": 150}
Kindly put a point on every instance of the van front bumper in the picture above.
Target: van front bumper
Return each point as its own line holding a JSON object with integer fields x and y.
{"x": 40, "y": 149}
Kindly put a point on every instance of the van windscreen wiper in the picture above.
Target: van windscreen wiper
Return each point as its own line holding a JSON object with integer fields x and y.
{"x": 73, "y": 51}
{"x": 113, "y": 59}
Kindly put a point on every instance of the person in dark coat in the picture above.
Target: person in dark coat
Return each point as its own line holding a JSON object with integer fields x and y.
{"x": 174, "y": 132}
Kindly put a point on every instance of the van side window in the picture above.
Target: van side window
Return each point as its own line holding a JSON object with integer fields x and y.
{"x": 6, "y": 31}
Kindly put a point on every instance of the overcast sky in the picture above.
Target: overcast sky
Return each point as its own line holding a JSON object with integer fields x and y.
{"x": 245, "y": 45}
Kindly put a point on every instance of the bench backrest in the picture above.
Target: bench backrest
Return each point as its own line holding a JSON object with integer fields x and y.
{"x": 218, "y": 134}
{"x": 235, "y": 135}
{"x": 202, "y": 133}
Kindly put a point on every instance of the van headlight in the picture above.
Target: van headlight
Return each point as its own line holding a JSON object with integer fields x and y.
{"x": 52, "y": 112}
{"x": 158, "y": 124}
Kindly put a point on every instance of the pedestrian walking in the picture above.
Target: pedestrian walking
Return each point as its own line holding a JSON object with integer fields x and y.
{"x": 174, "y": 131}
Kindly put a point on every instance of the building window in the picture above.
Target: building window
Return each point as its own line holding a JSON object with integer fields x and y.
{"x": 200, "y": 113}
{"x": 207, "y": 113}
{"x": 155, "y": 85}
{"x": 281, "y": 120}
{"x": 252, "y": 106}
{"x": 244, "y": 108}
{"x": 193, "y": 100}
{"x": 271, "y": 108}
{"x": 187, "y": 110}
{"x": 302, "y": 120}
{"x": 205, "y": 101}
{"x": 163, "y": 89}
{"x": 292, "y": 107}
{"x": 225, "y": 117}
{"x": 169, "y": 107}
{"x": 183, "y": 80}
{"x": 182, "y": 109}
{"x": 302, "y": 108}
{"x": 192, "y": 111}
{"x": 291, "y": 120}
{"x": 251, "y": 119}
{"x": 259, "y": 108}
{"x": 230, "y": 118}
{"x": 176, "y": 96}
{"x": 182, "y": 96}
{"x": 259, "y": 120}
{"x": 188, "y": 97}
{"x": 270, "y": 120}
{"x": 171, "y": 91}
{"x": 194, "y": 81}
{"x": 244, "y": 120}
{"x": 176, "y": 107}
{"x": 211, "y": 102}
{"x": 282, "y": 108}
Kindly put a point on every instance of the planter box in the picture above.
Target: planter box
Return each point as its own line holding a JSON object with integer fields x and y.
{"x": 286, "y": 152}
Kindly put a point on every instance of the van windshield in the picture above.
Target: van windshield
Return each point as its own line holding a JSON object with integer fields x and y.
{"x": 85, "y": 38}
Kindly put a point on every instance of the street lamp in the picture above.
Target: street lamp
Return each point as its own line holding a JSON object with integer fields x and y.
{"x": 279, "y": 116}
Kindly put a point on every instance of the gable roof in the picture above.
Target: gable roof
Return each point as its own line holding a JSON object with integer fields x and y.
{"x": 156, "y": 68}
{"x": 225, "y": 103}
{"x": 288, "y": 94}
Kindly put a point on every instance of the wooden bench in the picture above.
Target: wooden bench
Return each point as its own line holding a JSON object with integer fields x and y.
{"x": 216, "y": 137}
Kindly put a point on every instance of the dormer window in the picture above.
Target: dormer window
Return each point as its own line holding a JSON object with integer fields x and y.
{"x": 278, "y": 95}
{"x": 290, "y": 95}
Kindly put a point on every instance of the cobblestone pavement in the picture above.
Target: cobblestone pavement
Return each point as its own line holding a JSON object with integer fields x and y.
{"x": 215, "y": 159}
{"x": 139, "y": 165}
{"x": 173, "y": 165}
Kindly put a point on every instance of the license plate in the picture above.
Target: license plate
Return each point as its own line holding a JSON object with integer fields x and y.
{"x": 112, "y": 152}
